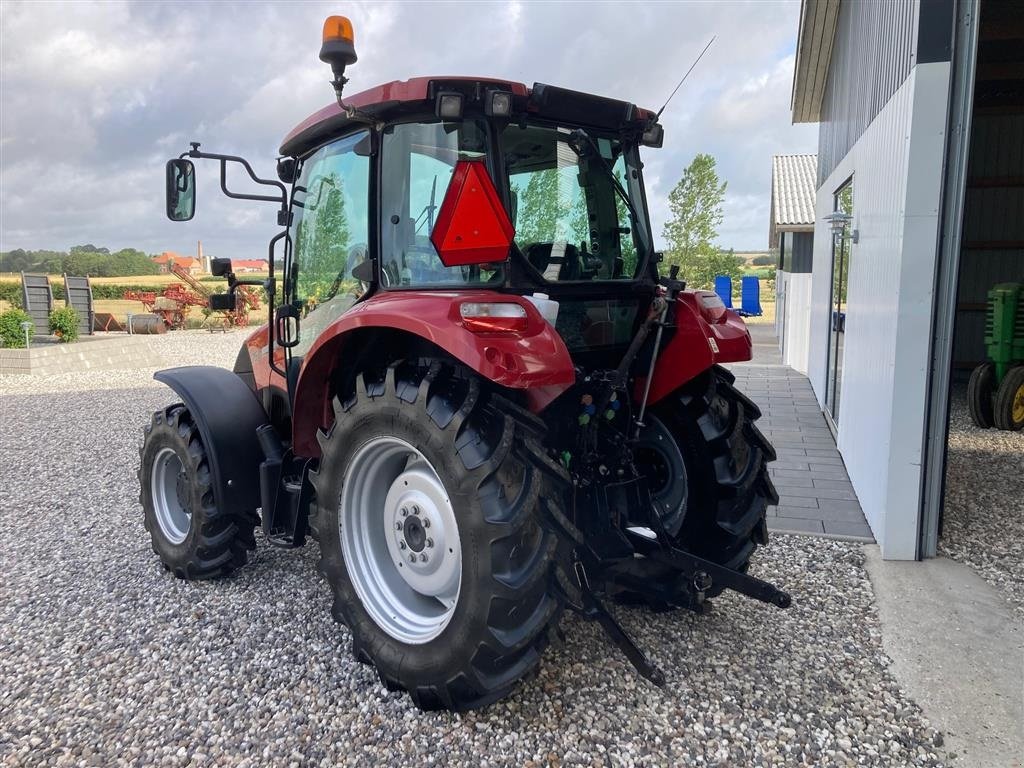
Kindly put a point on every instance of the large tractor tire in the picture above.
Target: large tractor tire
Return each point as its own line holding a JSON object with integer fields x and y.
{"x": 706, "y": 465}
{"x": 980, "y": 388}
{"x": 428, "y": 501}
{"x": 193, "y": 539}
{"x": 1008, "y": 408}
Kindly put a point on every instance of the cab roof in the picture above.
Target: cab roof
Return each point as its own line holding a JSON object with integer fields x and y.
{"x": 419, "y": 93}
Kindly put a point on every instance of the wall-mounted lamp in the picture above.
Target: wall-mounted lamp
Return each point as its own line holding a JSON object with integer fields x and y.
{"x": 838, "y": 221}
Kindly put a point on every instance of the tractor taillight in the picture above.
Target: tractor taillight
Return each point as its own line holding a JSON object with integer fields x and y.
{"x": 493, "y": 317}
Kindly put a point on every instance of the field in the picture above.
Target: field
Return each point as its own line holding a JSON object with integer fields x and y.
{"x": 120, "y": 308}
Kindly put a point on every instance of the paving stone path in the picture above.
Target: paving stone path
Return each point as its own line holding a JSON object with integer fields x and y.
{"x": 815, "y": 493}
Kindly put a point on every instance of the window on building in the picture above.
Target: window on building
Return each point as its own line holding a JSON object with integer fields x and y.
{"x": 842, "y": 252}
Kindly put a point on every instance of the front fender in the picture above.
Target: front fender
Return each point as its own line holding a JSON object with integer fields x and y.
{"x": 536, "y": 360}
{"x": 227, "y": 415}
{"x": 706, "y": 333}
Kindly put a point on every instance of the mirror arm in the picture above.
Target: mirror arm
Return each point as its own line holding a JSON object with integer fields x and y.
{"x": 281, "y": 199}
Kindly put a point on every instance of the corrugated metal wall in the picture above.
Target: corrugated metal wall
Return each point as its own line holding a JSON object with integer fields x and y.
{"x": 896, "y": 167}
{"x": 878, "y": 164}
{"x": 993, "y": 217}
{"x": 872, "y": 56}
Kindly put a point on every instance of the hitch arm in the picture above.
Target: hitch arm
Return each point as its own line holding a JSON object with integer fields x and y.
{"x": 704, "y": 573}
{"x": 595, "y": 610}
{"x": 592, "y": 609}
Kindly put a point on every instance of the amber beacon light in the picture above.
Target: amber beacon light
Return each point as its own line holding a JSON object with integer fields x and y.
{"x": 338, "y": 48}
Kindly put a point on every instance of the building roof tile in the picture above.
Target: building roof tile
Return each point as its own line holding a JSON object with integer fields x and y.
{"x": 793, "y": 189}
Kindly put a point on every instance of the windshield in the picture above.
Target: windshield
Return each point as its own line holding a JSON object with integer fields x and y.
{"x": 571, "y": 221}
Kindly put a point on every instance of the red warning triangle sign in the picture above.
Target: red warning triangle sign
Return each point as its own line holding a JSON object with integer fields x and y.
{"x": 472, "y": 225}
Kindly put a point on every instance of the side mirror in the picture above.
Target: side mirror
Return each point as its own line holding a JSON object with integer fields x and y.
{"x": 220, "y": 267}
{"x": 223, "y": 302}
{"x": 181, "y": 189}
{"x": 286, "y": 169}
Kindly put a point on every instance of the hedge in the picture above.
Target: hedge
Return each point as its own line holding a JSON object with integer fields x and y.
{"x": 10, "y": 290}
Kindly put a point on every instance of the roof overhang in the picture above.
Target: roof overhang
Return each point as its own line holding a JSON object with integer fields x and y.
{"x": 818, "y": 20}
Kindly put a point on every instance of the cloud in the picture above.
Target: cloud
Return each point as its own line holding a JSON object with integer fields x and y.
{"x": 96, "y": 96}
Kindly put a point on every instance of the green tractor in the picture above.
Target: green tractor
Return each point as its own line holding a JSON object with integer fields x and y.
{"x": 995, "y": 393}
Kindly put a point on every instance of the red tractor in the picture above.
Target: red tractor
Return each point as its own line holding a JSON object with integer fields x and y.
{"x": 474, "y": 389}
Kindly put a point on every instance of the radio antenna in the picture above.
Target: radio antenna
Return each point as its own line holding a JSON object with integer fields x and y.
{"x": 679, "y": 85}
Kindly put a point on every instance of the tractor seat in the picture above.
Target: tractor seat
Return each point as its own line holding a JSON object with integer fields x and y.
{"x": 555, "y": 261}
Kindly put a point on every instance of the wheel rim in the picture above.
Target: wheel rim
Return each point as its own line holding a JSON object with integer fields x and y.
{"x": 659, "y": 459}
{"x": 170, "y": 494}
{"x": 1018, "y": 405}
{"x": 400, "y": 540}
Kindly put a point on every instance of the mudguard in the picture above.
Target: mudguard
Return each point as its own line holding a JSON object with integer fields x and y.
{"x": 227, "y": 414}
{"x": 706, "y": 333}
{"x": 535, "y": 360}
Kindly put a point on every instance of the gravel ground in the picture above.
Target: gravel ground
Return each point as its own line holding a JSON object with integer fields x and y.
{"x": 106, "y": 659}
{"x": 984, "y": 518}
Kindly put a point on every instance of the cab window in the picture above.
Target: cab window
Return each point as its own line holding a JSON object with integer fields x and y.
{"x": 418, "y": 162}
{"x": 571, "y": 221}
{"x": 329, "y": 231}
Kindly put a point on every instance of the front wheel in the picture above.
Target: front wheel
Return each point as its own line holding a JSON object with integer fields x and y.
{"x": 193, "y": 539}
{"x": 427, "y": 513}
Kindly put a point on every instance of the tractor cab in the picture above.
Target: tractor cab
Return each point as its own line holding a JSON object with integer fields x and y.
{"x": 442, "y": 184}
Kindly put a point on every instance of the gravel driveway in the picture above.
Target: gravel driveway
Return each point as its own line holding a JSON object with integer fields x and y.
{"x": 984, "y": 517}
{"x": 106, "y": 659}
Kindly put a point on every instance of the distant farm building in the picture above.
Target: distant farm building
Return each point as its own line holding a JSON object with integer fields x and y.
{"x": 249, "y": 265}
{"x": 188, "y": 263}
{"x": 791, "y": 236}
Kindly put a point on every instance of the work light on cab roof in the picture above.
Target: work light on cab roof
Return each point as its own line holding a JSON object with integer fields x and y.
{"x": 474, "y": 388}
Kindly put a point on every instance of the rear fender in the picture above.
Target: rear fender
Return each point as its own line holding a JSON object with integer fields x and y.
{"x": 227, "y": 414}
{"x": 706, "y": 333}
{"x": 535, "y": 360}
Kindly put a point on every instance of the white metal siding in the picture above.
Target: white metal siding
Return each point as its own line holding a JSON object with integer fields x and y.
{"x": 896, "y": 167}
{"x": 872, "y": 55}
{"x": 793, "y": 321}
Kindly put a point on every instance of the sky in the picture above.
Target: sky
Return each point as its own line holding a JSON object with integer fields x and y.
{"x": 95, "y": 96}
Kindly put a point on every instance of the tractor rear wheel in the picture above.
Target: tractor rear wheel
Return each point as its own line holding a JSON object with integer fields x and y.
{"x": 711, "y": 485}
{"x": 427, "y": 511}
{"x": 193, "y": 539}
{"x": 980, "y": 388}
{"x": 1008, "y": 408}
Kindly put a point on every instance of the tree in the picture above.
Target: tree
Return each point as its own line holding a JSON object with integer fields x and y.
{"x": 323, "y": 239}
{"x": 627, "y": 245}
{"x": 539, "y": 209}
{"x": 87, "y": 248}
{"x": 14, "y": 261}
{"x": 696, "y": 206}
